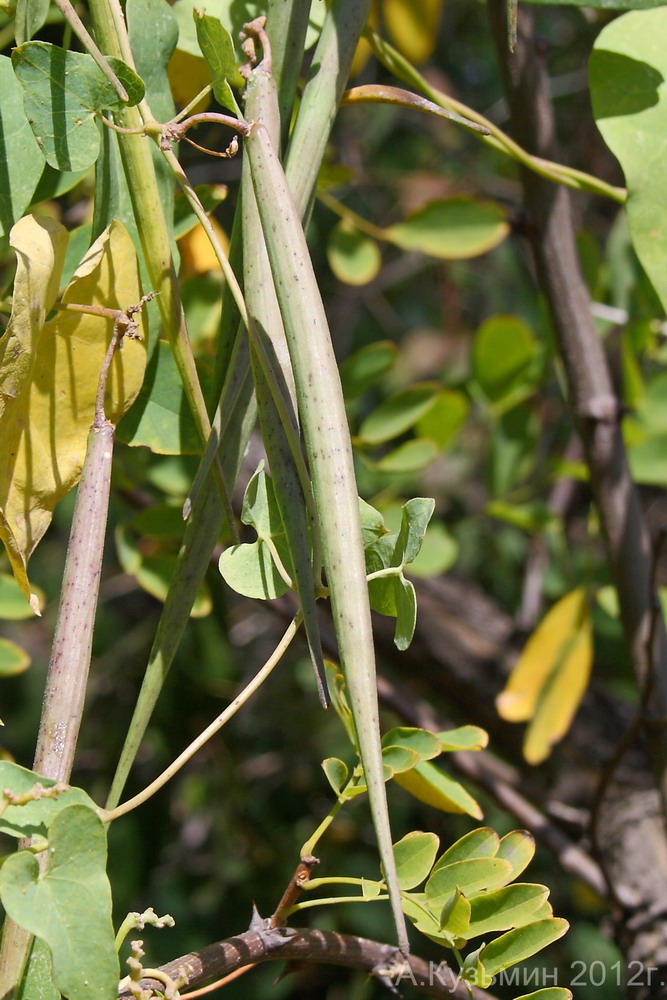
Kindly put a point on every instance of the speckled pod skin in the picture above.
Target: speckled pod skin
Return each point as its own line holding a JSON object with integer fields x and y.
{"x": 70, "y": 657}
{"x": 329, "y": 453}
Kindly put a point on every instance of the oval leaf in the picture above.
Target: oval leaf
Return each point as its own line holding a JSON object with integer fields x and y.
{"x": 415, "y": 855}
{"x": 452, "y": 230}
{"x": 551, "y": 675}
{"x": 481, "y": 843}
{"x": 429, "y": 784}
{"x": 468, "y": 876}
{"x": 519, "y": 944}
{"x": 13, "y": 659}
{"x": 503, "y": 357}
{"x": 365, "y": 367}
{"x": 517, "y": 847}
{"x": 463, "y": 738}
{"x": 399, "y": 413}
{"x": 511, "y": 906}
{"x": 353, "y": 257}
{"x": 421, "y": 741}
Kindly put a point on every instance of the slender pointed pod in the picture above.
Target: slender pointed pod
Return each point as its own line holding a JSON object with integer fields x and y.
{"x": 261, "y": 104}
{"x": 329, "y": 452}
{"x": 72, "y": 643}
{"x": 319, "y": 105}
{"x": 201, "y": 532}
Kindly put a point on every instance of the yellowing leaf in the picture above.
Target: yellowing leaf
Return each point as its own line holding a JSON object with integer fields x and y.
{"x": 551, "y": 675}
{"x": 188, "y": 75}
{"x": 197, "y": 256}
{"x": 49, "y": 374}
{"x": 413, "y": 26}
{"x": 427, "y": 783}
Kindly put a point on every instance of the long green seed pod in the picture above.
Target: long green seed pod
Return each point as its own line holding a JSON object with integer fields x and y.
{"x": 261, "y": 103}
{"x": 329, "y": 451}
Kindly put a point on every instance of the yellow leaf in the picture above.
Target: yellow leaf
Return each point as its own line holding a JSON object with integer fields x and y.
{"x": 429, "y": 784}
{"x": 551, "y": 675}
{"x": 188, "y": 75}
{"x": 49, "y": 374}
{"x": 413, "y": 26}
{"x": 363, "y": 51}
{"x": 197, "y": 256}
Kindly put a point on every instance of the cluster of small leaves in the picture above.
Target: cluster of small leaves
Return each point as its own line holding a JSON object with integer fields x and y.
{"x": 262, "y": 569}
{"x": 467, "y": 895}
{"x": 470, "y": 890}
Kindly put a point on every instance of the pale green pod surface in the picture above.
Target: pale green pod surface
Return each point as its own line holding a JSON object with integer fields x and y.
{"x": 329, "y": 452}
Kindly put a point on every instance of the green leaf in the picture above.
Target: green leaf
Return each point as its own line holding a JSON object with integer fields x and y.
{"x": 63, "y": 92}
{"x": 249, "y": 568}
{"x": 424, "y": 743}
{"x": 627, "y": 72}
{"x": 217, "y": 49}
{"x": 452, "y": 230}
{"x": 463, "y": 738}
{"x": 455, "y": 915}
{"x": 13, "y": 659}
{"x": 519, "y": 944}
{"x": 154, "y": 569}
{"x": 69, "y": 905}
{"x": 444, "y": 418}
{"x": 372, "y": 523}
{"x": 481, "y": 843}
{"x": 21, "y": 159}
{"x": 416, "y": 909}
{"x": 550, "y": 992}
{"x": 517, "y": 847}
{"x": 353, "y": 257}
{"x": 396, "y": 760}
{"x": 53, "y": 183}
{"x": 427, "y": 783}
{"x": 393, "y": 594}
{"x": 409, "y": 457}
{"x": 416, "y": 515}
{"x": 503, "y": 358}
{"x": 337, "y": 773}
{"x": 468, "y": 876}
{"x": 38, "y": 982}
{"x": 511, "y": 906}
{"x": 365, "y": 367}
{"x": 29, "y": 18}
{"x": 162, "y": 521}
{"x": 33, "y": 817}
{"x": 161, "y": 418}
{"x": 370, "y": 889}
{"x": 13, "y": 604}
{"x": 406, "y": 613}
{"x": 153, "y": 35}
{"x": 415, "y": 854}
{"x": 399, "y": 413}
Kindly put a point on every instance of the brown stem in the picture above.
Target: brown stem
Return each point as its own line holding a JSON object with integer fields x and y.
{"x": 594, "y": 403}
{"x": 319, "y": 947}
{"x": 294, "y": 889}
